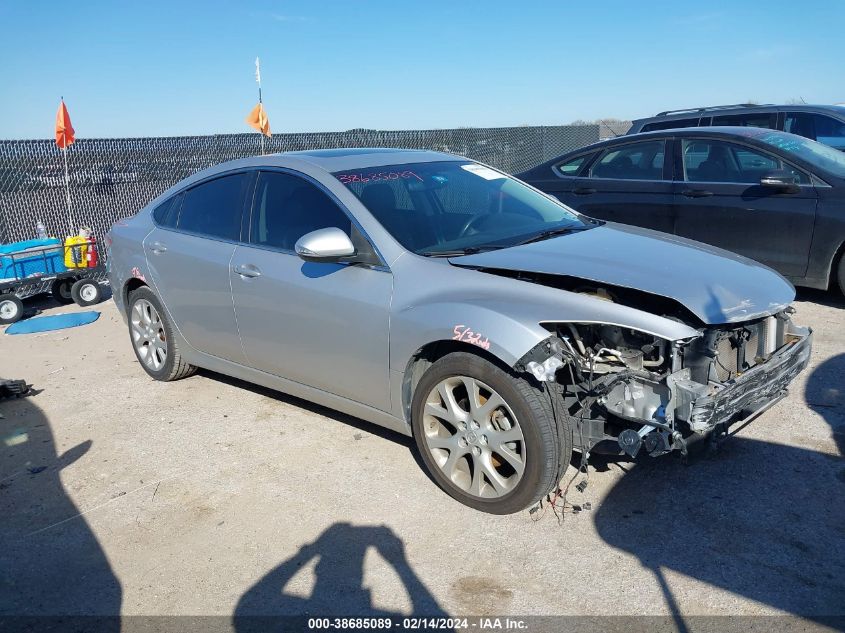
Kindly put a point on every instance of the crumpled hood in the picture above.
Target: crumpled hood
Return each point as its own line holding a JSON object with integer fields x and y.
{"x": 715, "y": 285}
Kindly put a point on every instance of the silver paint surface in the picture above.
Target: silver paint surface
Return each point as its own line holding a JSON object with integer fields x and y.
{"x": 715, "y": 285}
{"x": 345, "y": 335}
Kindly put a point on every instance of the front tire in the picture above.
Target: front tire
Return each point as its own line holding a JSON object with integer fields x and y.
{"x": 152, "y": 338}
{"x": 840, "y": 277}
{"x": 488, "y": 437}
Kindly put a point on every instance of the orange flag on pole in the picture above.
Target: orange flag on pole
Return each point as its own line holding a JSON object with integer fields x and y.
{"x": 64, "y": 130}
{"x": 257, "y": 119}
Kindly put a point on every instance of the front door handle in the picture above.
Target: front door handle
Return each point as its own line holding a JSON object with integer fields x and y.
{"x": 584, "y": 191}
{"x": 697, "y": 193}
{"x": 249, "y": 271}
{"x": 158, "y": 248}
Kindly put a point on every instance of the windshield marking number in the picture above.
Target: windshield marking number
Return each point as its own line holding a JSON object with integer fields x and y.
{"x": 348, "y": 179}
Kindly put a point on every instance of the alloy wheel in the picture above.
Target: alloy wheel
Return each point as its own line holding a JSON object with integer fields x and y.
{"x": 474, "y": 437}
{"x": 148, "y": 334}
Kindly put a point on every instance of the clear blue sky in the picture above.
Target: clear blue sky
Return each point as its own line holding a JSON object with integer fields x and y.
{"x": 156, "y": 68}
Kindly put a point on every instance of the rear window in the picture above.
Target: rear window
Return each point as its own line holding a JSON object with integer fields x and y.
{"x": 214, "y": 208}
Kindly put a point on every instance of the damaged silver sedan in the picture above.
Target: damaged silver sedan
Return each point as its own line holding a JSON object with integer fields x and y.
{"x": 446, "y": 300}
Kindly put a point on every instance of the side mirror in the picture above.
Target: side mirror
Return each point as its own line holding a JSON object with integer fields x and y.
{"x": 781, "y": 179}
{"x": 324, "y": 245}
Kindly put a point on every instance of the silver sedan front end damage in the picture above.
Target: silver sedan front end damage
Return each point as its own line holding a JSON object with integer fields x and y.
{"x": 753, "y": 389}
{"x": 627, "y": 391}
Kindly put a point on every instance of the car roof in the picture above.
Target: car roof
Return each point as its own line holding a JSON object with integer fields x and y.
{"x": 717, "y": 131}
{"x": 344, "y": 158}
{"x": 751, "y": 134}
{"x": 323, "y": 160}
{"x": 746, "y": 108}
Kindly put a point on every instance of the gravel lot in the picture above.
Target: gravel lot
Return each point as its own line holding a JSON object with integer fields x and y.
{"x": 119, "y": 494}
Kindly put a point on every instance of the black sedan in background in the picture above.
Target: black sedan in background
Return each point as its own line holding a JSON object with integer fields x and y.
{"x": 769, "y": 195}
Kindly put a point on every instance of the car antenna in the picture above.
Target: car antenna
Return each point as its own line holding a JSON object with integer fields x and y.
{"x": 609, "y": 129}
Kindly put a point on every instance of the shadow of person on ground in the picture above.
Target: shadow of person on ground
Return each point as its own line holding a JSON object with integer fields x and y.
{"x": 49, "y": 565}
{"x": 760, "y": 520}
{"x": 339, "y": 586}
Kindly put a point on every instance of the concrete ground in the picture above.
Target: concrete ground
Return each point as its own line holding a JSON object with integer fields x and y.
{"x": 119, "y": 494}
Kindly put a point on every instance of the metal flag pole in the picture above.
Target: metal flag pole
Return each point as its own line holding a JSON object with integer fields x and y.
{"x": 260, "y": 103}
{"x": 67, "y": 190}
{"x": 67, "y": 184}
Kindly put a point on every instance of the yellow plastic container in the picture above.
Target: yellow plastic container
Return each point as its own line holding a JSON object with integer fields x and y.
{"x": 76, "y": 248}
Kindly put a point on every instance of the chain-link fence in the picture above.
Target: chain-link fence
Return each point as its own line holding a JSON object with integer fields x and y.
{"x": 113, "y": 178}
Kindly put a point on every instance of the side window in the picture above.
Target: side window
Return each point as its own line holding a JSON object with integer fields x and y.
{"x": 716, "y": 161}
{"x": 818, "y": 127}
{"x": 749, "y": 160}
{"x": 214, "y": 208}
{"x": 800, "y": 123}
{"x": 287, "y": 207}
{"x": 765, "y": 120}
{"x": 830, "y": 131}
{"x": 167, "y": 212}
{"x": 670, "y": 125}
{"x": 637, "y": 161}
{"x": 571, "y": 167}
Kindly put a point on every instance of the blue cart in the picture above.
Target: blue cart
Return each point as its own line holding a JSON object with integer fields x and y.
{"x": 71, "y": 273}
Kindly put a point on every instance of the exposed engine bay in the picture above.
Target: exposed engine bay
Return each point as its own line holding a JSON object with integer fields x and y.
{"x": 627, "y": 391}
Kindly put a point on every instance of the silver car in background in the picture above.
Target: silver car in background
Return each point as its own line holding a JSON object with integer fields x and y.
{"x": 445, "y": 300}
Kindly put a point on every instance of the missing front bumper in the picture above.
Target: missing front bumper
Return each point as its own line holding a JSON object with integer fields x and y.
{"x": 755, "y": 388}
{"x": 678, "y": 410}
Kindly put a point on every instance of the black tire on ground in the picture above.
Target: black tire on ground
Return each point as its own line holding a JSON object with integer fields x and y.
{"x": 174, "y": 366}
{"x": 546, "y": 446}
{"x": 11, "y": 309}
{"x": 86, "y": 292}
{"x": 61, "y": 289}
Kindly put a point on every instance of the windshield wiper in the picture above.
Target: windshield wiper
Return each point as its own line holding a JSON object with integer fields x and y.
{"x": 469, "y": 250}
{"x": 544, "y": 235}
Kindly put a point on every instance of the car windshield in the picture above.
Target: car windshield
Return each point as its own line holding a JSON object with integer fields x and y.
{"x": 822, "y": 156}
{"x": 455, "y": 207}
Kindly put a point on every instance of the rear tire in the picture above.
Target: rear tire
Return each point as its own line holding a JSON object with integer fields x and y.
{"x": 152, "y": 338}
{"x": 501, "y": 454}
{"x": 86, "y": 292}
{"x": 61, "y": 289}
{"x": 11, "y": 309}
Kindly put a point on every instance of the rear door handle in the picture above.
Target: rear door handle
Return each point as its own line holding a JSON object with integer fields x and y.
{"x": 584, "y": 191}
{"x": 247, "y": 270}
{"x": 158, "y": 248}
{"x": 697, "y": 193}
